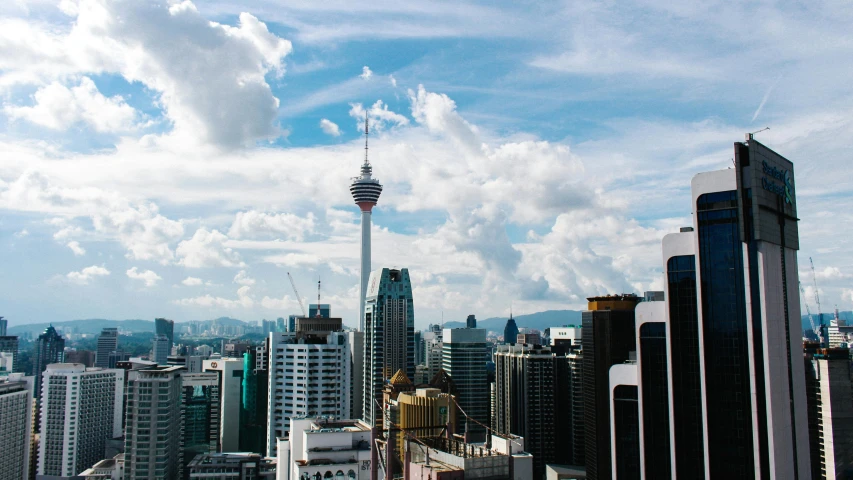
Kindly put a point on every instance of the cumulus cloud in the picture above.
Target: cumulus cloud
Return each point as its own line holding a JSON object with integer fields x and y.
{"x": 148, "y": 277}
{"x": 76, "y": 248}
{"x": 243, "y": 300}
{"x": 366, "y": 73}
{"x": 243, "y": 278}
{"x": 212, "y": 87}
{"x": 330, "y": 128}
{"x": 254, "y": 224}
{"x": 393, "y": 81}
{"x": 284, "y": 303}
{"x": 207, "y": 249}
{"x": 83, "y": 277}
{"x": 192, "y": 281}
{"x": 380, "y": 116}
{"x": 58, "y": 107}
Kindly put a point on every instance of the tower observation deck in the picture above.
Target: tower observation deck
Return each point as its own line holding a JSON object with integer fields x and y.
{"x": 365, "y": 191}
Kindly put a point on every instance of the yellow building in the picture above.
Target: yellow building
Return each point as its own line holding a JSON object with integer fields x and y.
{"x": 625, "y": 301}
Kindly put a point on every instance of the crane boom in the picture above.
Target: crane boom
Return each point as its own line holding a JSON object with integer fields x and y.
{"x": 816, "y": 294}
{"x": 298, "y": 298}
{"x": 809, "y": 311}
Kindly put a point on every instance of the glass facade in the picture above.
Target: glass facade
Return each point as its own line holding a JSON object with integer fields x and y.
{"x": 726, "y": 353}
{"x": 655, "y": 399}
{"x": 627, "y": 429}
{"x": 686, "y": 380}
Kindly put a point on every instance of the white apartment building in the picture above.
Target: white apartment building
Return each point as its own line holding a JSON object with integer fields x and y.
{"x": 16, "y": 393}
{"x": 328, "y": 448}
{"x": 230, "y": 390}
{"x": 80, "y": 410}
{"x": 309, "y": 375}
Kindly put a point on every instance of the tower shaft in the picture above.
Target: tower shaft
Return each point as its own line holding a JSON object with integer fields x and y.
{"x": 365, "y": 263}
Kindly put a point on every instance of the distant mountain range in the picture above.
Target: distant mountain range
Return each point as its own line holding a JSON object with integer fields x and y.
{"x": 539, "y": 321}
{"x": 95, "y": 325}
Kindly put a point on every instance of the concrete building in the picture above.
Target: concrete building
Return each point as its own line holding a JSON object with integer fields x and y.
{"x": 83, "y": 357}
{"x": 200, "y": 415}
{"x": 356, "y": 350}
{"x": 50, "y": 348}
{"x": 464, "y": 357}
{"x": 389, "y": 335}
{"x": 608, "y": 339}
{"x": 107, "y": 469}
{"x": 309, "y": 374}
{"x": 569, "y": 335}
{"x": 107, "y": 344}
{"x": 440, "y": 458}
{"x": 232, "y": 466}
{"x": 9, "y": 344}
{"x": 80, "y": 410}
{"x": 230, "y": 393}
{"x": 7, "y": 363}
{"x": 16, "y": 427}
{"x": 829, "y": 390}
{"x": 325, "y": 447}
{"x": 3, "y": 325}
{"x": 433, "y": 346}
{"x": 153, "y": 427}
{"x": 161, "y": 348}
{"x": 165, "y": 327}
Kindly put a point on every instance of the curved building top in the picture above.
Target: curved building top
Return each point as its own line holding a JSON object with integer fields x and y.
{"x": 365, "y": 189}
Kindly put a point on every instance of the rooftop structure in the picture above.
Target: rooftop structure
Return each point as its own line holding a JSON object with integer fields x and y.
{"x": 232, "y": 466}
{"x": 326, "y": 447}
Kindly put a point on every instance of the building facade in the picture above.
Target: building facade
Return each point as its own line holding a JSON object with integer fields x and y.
{"x": 107, "y": 344}
{"x": 389, "y": 335}
{"x": 231, "y": 372}
{"x": 254, "y": 401}
{"x": 80, "y": 410}
{"x": 9, "y": 344}
{"x": 16, "y": 429}
{"x": 829, "y": 390}
{"x": 464, "y": 356}
{"x": 50, "y": 348}
{"x": 200, "y": 415}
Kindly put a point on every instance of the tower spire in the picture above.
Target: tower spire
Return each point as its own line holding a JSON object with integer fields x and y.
{"x": 366, "y": 134}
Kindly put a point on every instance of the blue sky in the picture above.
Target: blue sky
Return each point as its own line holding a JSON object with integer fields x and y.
{"x": 178, "y": 159}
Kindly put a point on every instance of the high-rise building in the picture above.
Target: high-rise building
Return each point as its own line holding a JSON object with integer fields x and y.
{"x": 572, "y": 443}
{"x": 308, "y": 376}
{"x": 200, "y": 415}
{"x": 608, "y": 339}
{"x": 624, "y": 423}
{"x": 433, "y": 346}
{"x": 389, "y": 335}
{"x": 160, "y": 348}
{"x": 745, "y": 226}
{"x": 319, "y": 310}
{"x": 365, "y": 191}
{"x": 9, "y": 344}
{"x": 254, "y": 401}
{"x": 50, "y": 348}
{"x": 230, "y": 394}
{"x": 424, "y": 408}
{"x": 510, "y": 330}
{"x": 3, "y": 324}
{"x": 464, "y": 358}
{"x": 829, "y": 389}
{"x": 83, "y": 357}
{"x": 165, "y": 327}
{"x": 653, "y": 389}
{"x": 471, "y": 321}
{"x": 107, "y": 343}
{"x": 153, "y": 427}
{"x": 16, "y": 405}
{"x": 356, "y": 351}
{"x": 80, "y": 411}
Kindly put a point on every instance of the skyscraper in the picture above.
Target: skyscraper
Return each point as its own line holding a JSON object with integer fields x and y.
{"x": 3, "y": 324}
{"x": 50, "y": 348}
{"x": 365, "y": 191}
{"x": 80, "y": 410}
{"x": 160, "y": 346}
{"x": 200, "y": 415}
{"x": 16, "y": 403}
{"x": 9, "y": 344}
{"x": 829, "y": 390}
{"x": 107, "y": 343}
{"x": 254, "y": 401}
{"x": 153, "y": 427}
{"x": 653, "y": 389}
{"x": 165, "y": 327}
{"x": 230, "y": 393}
{"x": 608, "y": 338}
{"x": 471, "y": 321}
{"x": 389, "y": 335}
{"x": 464, "y": 356}
{"x": 510, "y": 331}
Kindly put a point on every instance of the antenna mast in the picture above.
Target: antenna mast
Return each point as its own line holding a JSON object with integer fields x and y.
{"x": 318, "y": 297}
{"x": 366, "y": 135}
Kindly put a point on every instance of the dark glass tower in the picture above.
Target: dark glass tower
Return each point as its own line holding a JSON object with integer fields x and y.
{"x": 253, "y": 410}
{"x": 510, "y": 331}
{"x": 655, "y": 396}
{"x": 50, "y": 348}
{"x": 626, "y": 422}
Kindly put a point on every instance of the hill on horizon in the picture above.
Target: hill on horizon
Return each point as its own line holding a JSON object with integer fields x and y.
{"x": 538, "y": 320}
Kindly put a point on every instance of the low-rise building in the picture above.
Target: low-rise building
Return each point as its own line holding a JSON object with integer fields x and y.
{"x": 331, "y": 449}
{"x": 232, "y": 466}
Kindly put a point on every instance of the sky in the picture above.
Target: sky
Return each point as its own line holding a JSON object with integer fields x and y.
{"x": 178, "y": 159}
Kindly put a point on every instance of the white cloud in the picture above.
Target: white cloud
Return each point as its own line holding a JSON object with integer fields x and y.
{"x": 146, "y": 276}
{"x": 832, "y": 273}
{"x": 285, "y": 303}
{"x": 254, "y": 224}
{"x": 83, "y": 277}
{"x": 21, "y": 234}
{"x": 76, "y": 248}
{"x": 366, "y": 73}
{"x": 207, "y": 249}
{"x": 393, "y": 81}
{"x": 212, "y": 88}
{"x": 58, "y": 107}
{"x": 243, "y": 278}
{"x": 243, "y": 300}
{"x": 330, "y": 128}
{"x": 192, "y": 281}
{"x": 380, "y": 116}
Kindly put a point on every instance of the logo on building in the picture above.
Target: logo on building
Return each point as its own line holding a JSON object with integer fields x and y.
{"x": 786, "y": 190}
{"x": 213, "y": 364}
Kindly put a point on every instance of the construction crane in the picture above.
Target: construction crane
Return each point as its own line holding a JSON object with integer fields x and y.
{"x": 817, "y": 299}
{"x": 809, "y": 311}
{"x": 298, "y": 298}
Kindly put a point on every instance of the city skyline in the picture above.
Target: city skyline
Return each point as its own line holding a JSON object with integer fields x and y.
{"x": 123, "y": 196}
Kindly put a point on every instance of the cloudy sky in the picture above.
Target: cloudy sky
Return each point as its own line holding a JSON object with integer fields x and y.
{"x": 178, "y": 159}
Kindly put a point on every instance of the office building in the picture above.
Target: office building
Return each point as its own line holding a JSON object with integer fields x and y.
{"x": 80, "y": 411}
{"x": 389, "y": 335}
{"x": 3, "y": 324}
{"x": 624, "y": 423}
{"x": 50, "y": 348}
{"x": 231, "y": 372}
{"x": 828, "y": 394}
{"x": 529, "y": 338}
{"x": 464, "y": 358}
{"x": 114, "y": 358}
{"x": 309, "y": 375}
{"x": 232, "y": 466}
{"x": 745, "y": 227}
{"x": 235, "y": 349}
{"x": 365, "y": 192}
{"x": 510, "y": 330}
{"x": 653, "y": 389}
{"x": 7, "y": 363}
{"x": 160, "y": 349}
{"x": 200, "y": 415}
{"x": 111, "y": 468}
{"x": 9, "y": 344}
{"x": 254, "y": 401}
{"x": 325, "y": 447}
{"x": 433, "y": 347}
{"x": 608, "y": 339}
{"x": 471, "y": 321}
{"x": 319, "y": 310}
{"x": 107, "y": 344}
{"x": 16, "y": 428}
{"x": 356, "y": 350}
{"x": 165, "y": 327}
{"x": 83, "y": 357}
{"x": 572, "y": 443}
{"x": 568, "y": 335}
{"x": 153, "y": 427}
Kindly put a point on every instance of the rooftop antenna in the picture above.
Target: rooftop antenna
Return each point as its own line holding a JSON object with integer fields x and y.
{"x": 318, "y": 297}
{"x": 750, "y": 134}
